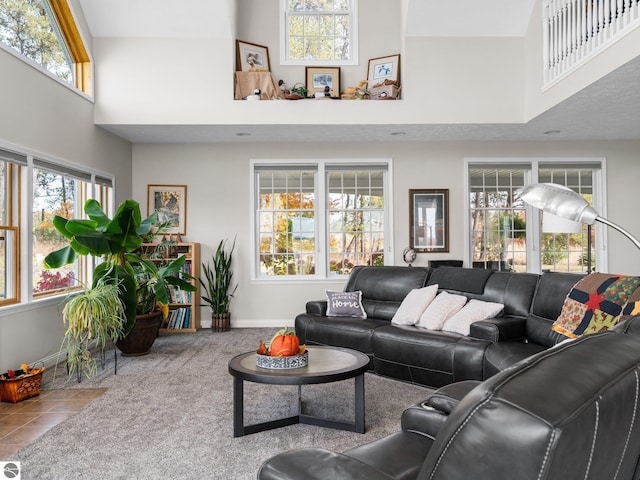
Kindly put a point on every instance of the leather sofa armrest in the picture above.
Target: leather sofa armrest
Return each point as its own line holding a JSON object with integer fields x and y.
{"x": 500, "y": 329}
{"x": 428, "y": 417}
{"x": 317, "y": 307}
{"x": 317, "y": 464}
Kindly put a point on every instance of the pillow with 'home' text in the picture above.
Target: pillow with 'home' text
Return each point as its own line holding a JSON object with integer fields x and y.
{"x": 345, "y": 304}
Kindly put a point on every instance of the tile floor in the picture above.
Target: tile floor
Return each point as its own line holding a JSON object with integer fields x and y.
{"x": 21, "y": 423}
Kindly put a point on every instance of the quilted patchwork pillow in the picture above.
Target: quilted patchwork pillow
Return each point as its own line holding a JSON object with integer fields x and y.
{"x": 414, "y": 304}
{"x": 345, "y": 304}
{"x": 443, "y": 307}
{"x": 595, "y": 304}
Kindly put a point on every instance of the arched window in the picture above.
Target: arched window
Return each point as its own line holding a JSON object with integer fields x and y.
{"x": 45, "y": 32}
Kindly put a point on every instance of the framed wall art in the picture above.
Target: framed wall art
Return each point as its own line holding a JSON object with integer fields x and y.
{"x": 318, "y": 78}
{"x": 251, "y": 56}
{"x": 171, "y": 203}
{"x": 384, "y": 70}
{"x": 429, "y": 220}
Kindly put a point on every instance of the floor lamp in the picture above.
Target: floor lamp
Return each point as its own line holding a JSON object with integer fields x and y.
{"x": 565, "y": 203}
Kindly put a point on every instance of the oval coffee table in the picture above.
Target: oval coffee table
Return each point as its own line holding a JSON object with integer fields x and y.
{"x": 326, "y": 364}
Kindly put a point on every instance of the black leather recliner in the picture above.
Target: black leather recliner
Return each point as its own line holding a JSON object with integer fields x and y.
{"x": 567, "y": 413}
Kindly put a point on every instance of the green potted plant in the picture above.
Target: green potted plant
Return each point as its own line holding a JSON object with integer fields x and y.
{"x": 92, "y": 317}
{"x": 142, "y": 285}
{"x": 219, "y": 286}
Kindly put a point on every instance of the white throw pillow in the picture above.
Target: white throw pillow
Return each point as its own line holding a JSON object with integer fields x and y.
{"x": 442, "y": 308}
{"x": 473, "y": 311}
{"x": 414, "y": 304}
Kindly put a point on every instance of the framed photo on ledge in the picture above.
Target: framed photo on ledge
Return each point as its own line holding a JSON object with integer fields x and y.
{"x": 318, "y": 78}
{"x": 171, "y": 203}
{"x": 250, "y": 55}
{"x": 384, "y": 69}
{"x": 429, "y": 220}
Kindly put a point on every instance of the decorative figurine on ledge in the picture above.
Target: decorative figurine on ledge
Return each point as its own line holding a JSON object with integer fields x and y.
{"x": 255, "y": 96}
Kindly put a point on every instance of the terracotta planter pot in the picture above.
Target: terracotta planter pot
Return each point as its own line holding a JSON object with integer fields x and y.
{"x": 221, "y": 322}
{"x": 141, "y": 337}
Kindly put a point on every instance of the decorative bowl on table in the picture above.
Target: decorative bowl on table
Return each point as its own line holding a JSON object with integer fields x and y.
{"x": 282, "y": 363}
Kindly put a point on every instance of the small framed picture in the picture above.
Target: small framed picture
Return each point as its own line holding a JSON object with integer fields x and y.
{"x": 429, "y": 220}
{"x": 319, "y": 78}
{"x": 170, "y": 201}
{"x": 251, "y": 57}
{"x": 384, "y": 70}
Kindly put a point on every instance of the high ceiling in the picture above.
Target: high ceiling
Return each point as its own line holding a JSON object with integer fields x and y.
{"x": 609, "y": 109}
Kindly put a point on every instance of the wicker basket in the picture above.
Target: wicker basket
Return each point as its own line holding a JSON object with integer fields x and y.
{"x": 17, "y": 389}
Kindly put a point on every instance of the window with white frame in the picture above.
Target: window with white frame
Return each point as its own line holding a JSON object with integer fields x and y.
{"x": 319, "y": 32}
{"x": 500, "y": 236}
{"x": 319, "y": 219}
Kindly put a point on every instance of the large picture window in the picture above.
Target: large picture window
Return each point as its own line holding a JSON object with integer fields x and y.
{"x": 502, "y": 237}
{"x": 319, "y": 32}
{"x": 319, "y": 219}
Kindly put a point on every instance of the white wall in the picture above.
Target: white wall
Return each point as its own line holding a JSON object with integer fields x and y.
{"x": 218, "y": 201}
{"x": 178, "y": 81}
{"x": 43, "y": 116}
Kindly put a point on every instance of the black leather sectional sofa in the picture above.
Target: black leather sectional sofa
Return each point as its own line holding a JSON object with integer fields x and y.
{"x": 566, "y": 413}
{"x": 433, "y": 357}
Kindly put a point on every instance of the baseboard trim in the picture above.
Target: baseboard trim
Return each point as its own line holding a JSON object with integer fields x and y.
{"x": 254, "y": 323}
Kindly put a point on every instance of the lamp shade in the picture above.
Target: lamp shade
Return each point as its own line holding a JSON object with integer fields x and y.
{"x": 554, "y": 224}
{"x": 565, "y": 203}
{"x": 558, "y": 200}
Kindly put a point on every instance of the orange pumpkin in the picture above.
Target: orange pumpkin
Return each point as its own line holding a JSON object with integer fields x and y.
{"x": 284, "y": 344}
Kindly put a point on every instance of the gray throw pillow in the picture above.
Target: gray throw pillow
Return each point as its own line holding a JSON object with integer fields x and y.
{"x": 345, "y": 304}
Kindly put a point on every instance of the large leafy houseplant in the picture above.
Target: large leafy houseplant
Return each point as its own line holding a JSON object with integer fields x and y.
{"x": 143, "y": 285}
{"x": 219, "y": 285}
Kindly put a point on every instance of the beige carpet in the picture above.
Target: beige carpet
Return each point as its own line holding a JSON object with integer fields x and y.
{"x": 168, "y": 415}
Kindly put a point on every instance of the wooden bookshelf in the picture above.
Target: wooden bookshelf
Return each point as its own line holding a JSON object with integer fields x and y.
{"x": 184, "y": 309}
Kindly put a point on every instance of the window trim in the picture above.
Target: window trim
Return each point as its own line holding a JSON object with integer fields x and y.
{"x": 533, "y": 231}
{"x": 284, "y": 37}
{"x": 321, "y": 215}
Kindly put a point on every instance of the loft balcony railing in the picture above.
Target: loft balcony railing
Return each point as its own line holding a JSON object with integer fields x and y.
{"x": 576, "y": 30}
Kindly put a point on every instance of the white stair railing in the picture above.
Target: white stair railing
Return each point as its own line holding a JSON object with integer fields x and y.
{"x": 576, "y": 30}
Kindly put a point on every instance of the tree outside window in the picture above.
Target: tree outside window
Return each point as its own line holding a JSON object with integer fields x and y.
{"x": 28, "y": 27}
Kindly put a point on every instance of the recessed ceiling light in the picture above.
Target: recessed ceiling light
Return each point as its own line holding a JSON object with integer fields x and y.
{"x": 397, "y": 134}
{"x": 243, "y": 134}
{"x": 552, "y": 132}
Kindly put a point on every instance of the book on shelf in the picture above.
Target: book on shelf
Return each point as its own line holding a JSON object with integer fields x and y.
{"x": 179, "y": 318}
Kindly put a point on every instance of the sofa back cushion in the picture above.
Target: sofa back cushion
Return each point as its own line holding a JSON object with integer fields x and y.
{"x": 569, "y": 412}
{"x": 384, "y": 288}
{"x": 553, "y": 288}
{"x": 514, "y": 290}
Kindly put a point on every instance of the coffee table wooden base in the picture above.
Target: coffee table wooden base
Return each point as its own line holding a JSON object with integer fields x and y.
{"x": 240, "y": 429}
